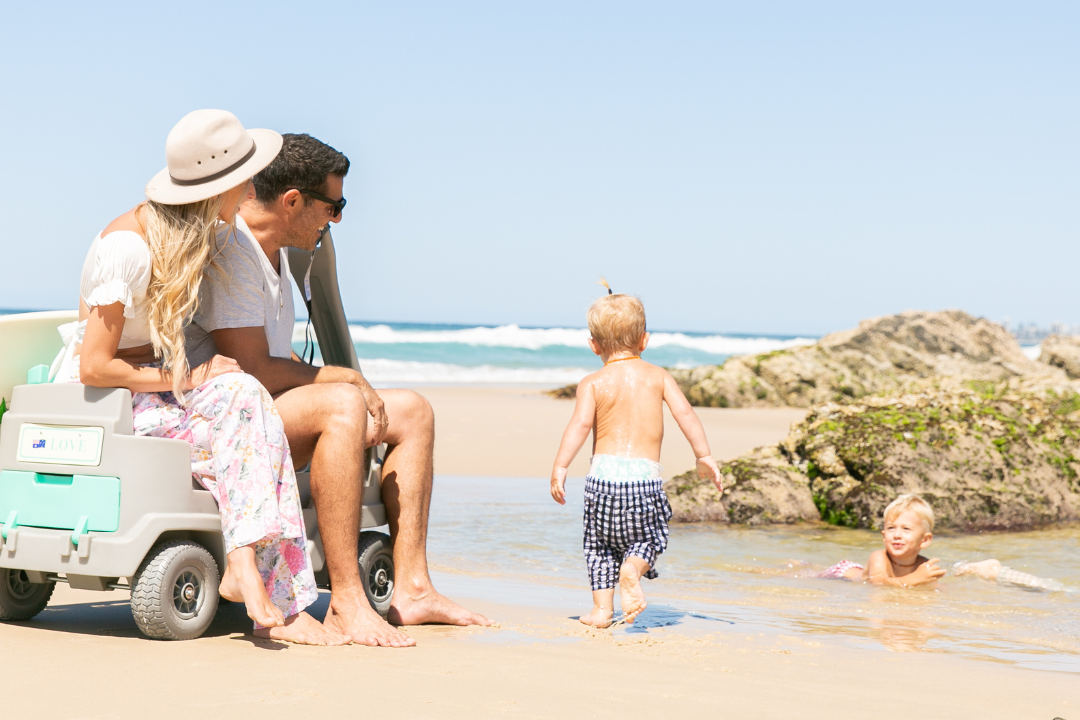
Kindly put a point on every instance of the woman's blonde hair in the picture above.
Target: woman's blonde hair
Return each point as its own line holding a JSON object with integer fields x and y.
{"x": 182, "y": 240}
{"x": 617, "y": 322}
{"x": 913, "y": 502}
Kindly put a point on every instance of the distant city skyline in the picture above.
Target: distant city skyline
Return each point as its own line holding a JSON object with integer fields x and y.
{"x": 785, "y": 168}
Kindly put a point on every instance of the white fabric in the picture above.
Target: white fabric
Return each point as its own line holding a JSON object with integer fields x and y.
{"x": 117, "y": 269}
{"x": 245, "y": 291}
{"x": 65, "y": 368}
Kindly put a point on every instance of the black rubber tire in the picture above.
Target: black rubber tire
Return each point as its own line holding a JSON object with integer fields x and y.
{"x": 377, "y": 570}
{"x": 21, "y": 599}
{"x": 174, "y": 595}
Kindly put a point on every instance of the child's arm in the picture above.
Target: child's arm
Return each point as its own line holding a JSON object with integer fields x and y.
{"x": 573, "y": 438}
{"x": 877, "y": 572}
{"x": 691, "y": 427}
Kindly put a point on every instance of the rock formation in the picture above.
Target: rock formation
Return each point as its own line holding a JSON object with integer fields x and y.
{"x": 985, "y": 455}
{"x": 885, "y": 354}
{"x": 1062, "y": 351}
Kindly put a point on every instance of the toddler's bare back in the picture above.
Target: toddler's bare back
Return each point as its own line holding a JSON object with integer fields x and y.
{"x": 629, "y": 396}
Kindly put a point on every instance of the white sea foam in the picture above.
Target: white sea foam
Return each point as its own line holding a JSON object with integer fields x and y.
{"x": 1032, "y": 351}
{"x": 382, "y": 373}
{"x": 538, "y": 338}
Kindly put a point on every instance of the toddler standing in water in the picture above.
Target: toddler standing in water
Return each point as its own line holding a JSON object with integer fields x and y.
{"x": 626, "y": 511}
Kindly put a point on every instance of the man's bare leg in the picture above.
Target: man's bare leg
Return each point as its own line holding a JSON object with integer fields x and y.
{"x": 326, "y": 425}
{"x": 406, "y": 492}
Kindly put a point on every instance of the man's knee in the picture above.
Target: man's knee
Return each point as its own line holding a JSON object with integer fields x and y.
{"x": 343, "y": 405}
{"x": 417, "y": 411}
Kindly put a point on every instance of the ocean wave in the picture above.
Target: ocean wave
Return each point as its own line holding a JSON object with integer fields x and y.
{"x": 382, "y": 372}
{"x": 513, "y": 336}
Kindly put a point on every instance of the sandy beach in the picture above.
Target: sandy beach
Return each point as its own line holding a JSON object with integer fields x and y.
{"x": 515, "y": 432}
{"x": 83, "y": 657}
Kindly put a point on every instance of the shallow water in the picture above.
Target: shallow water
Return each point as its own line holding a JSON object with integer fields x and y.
{"x": 520, "y": 547}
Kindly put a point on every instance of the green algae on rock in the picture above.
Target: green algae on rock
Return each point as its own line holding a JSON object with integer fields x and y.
{"x": 985, "y": 456}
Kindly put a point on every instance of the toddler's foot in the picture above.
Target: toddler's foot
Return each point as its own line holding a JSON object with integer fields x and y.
{"x": 600, "y": 617}
{"x": 243, "y": 583}
{"x": 303, "y": 629}
{"x": 630, "y": 592}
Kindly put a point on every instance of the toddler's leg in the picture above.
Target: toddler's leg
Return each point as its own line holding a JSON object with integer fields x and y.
{"x": 603, "y": 607}
{"x": 599, "y": 559}
{"x": 631, "y": 595}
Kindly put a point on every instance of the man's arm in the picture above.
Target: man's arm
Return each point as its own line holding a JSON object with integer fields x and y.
{"x": 249, "y": 348}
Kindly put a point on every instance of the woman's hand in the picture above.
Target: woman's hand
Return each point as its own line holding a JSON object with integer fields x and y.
{"x": 217, "y": 365}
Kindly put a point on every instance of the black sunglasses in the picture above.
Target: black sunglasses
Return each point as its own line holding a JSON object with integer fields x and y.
{"x": 338, "y": 205}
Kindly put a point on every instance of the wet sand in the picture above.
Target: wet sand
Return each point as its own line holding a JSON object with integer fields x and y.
{"x": 83, "y": 658}
{"x": 515, "y": 432}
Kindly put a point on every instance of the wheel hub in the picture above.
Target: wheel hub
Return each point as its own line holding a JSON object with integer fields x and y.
{"x": 186, "y": 592}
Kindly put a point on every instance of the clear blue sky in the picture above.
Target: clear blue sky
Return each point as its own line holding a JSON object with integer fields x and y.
{"x": 766, "y": 167}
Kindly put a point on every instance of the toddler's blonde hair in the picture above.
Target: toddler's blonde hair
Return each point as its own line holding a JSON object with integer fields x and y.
{"x": 911, "y": 501}
{"x": 617, "y": 322}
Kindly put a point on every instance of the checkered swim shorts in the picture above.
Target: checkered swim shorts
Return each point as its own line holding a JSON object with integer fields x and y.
{"x": 623, "y": 519}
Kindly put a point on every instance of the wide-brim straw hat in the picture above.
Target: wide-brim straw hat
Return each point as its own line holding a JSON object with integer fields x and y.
{"x": 209, "y": 152}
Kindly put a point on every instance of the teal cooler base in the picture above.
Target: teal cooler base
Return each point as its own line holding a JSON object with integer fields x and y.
{"x": 60, "y": 501}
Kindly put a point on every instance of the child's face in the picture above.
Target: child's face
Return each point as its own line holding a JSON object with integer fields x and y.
{"x": 905, "y": 535}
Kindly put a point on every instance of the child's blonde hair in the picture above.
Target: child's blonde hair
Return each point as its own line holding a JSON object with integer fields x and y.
{"x": 911, "y": 501}
{"x": 617, "y": 322}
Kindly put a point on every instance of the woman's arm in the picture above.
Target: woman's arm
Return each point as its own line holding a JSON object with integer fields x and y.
{"x": 99, "y": 365}
{"x": 573, "y": 438}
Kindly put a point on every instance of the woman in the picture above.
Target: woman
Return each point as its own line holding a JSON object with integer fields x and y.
{"x": 139, "y": 287}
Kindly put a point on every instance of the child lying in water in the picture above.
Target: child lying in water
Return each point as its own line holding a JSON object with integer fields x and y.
{"x": 908, "y": 529}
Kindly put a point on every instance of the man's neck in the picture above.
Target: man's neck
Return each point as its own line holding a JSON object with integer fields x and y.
{"x": 266, "y": 228}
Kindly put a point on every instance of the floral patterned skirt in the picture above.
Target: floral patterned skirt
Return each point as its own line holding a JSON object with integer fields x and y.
{"x": 240, "y": 454}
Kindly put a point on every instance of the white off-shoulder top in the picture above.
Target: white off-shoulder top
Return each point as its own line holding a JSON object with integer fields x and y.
{"x": 117, "y": 269}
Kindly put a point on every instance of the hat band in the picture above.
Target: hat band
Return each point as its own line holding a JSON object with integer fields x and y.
{"x": 217, "y": 175}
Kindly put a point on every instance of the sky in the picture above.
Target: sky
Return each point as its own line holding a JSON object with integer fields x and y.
{"x": 767, "y": 167}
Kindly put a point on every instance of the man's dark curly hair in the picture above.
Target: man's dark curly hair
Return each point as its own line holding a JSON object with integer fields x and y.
{"x": 303, "y": 163}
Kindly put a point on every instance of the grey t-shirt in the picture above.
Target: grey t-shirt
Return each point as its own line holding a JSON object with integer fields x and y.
{"x": 245, "y": 291}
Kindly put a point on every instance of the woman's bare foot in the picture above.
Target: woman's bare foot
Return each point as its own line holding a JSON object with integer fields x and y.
{"x": 303, "y": 629}
{"x": 431, "y": 607}
{"x": 631, "y": 595}
{"x": 243, "y": 583}
{"x": 600, "y": 617}
{"x": 354, "y": 616}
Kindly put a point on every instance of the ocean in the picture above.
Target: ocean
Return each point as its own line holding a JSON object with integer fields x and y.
{"x": 435, "y": 354}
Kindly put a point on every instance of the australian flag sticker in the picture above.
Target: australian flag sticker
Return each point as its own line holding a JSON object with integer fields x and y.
{"x": 38, "y": 444}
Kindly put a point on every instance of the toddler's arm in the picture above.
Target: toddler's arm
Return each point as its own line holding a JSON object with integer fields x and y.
{"x": 877, "y": 572}
{"x": 573, "y": 438}
{"x": 690, "y": 425}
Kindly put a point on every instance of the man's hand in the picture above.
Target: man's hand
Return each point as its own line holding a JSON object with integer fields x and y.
{"x": 376, "y": 409}
{"x": 706, "y": 467}
{"x": 217, "y": 365}
{"x": 558, "y": 485}
{"x": 928, "y": 572}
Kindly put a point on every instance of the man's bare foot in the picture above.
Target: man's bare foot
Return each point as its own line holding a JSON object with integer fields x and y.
{"x": 630, "y": 593}
{"x": 600, "y": 617}
{"x": 360, "y": 622}
{"x": 303, "y": 629}
{"x": 243, "y": 583}
{"x": 431, "y": 608}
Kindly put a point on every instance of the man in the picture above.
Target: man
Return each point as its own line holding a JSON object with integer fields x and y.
{"x": 331, "y": 414}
